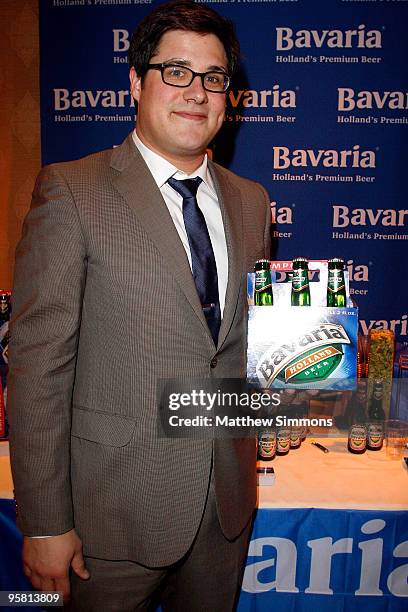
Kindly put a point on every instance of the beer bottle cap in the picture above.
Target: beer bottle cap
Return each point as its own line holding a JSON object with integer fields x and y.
{"x": 262, "y": 264}
{"x": 300, "y": 262}
{"x": 336, "y": 262}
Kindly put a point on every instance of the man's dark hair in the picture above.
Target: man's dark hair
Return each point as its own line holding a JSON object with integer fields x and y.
{"x": 180, "y": 15}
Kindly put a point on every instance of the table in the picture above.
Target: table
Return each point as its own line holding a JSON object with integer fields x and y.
{"x": 331, "y": 535}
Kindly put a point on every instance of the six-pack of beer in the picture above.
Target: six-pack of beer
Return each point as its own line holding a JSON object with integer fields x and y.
{"x": 302, "y": 325}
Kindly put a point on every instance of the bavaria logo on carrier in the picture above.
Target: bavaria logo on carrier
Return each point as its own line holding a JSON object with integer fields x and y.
{"x": 312, "y": 357}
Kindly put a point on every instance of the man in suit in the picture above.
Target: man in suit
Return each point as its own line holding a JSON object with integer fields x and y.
{"x": 114, "y": 291}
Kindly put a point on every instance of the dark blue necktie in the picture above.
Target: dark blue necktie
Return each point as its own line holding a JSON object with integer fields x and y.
{"x": 202, "y": 254}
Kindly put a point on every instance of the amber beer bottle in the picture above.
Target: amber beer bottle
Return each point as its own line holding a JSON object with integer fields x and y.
{"x": 263, "y": 283}
{"x": 357, "y": 439}
{"x": 376, "y": 418}
{"x": 267, "y": 444}
{"x": 300, "y": 282}
{"x": 336, "y": 286}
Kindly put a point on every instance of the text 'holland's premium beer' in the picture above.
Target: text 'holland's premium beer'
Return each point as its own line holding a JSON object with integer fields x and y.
{"x": 300, "y": 282}
{"x": 263, "y": 283}
{"x": 376, "y": 418}
{"x": 336, "y": 286}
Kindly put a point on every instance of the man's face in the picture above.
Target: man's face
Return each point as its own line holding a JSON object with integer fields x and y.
{"x": 176, "y": 122}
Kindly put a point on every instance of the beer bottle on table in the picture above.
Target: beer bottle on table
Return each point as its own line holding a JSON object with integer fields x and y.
{"x": 296, "y": 433}
{"x": 283, "y": 440}
{"x": 357, "y": 438}
{"x": 266, "y": 445}
{"x": 263, "y": 283}
{"x": 336, "y": 286}
{"x": 300, "y": 282}
{"x": 376, "y": 418}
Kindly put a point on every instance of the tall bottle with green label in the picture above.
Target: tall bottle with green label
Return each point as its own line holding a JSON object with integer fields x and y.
{"x": 336, "y": 286}
{"x": 300, "y": 282}
{"x": 263, "y": 283}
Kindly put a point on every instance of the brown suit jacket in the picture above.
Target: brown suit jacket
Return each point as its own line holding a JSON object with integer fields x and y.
{"x": 104, "y": 306}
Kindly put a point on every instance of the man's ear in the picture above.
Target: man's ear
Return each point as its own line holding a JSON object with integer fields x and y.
{"x": 135, "y": 84}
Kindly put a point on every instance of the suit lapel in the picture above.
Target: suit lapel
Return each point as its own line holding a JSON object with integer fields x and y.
{"x": 138, "y": 188}
{"x": 231, "y": 208}
{"x": 136, "y": 185}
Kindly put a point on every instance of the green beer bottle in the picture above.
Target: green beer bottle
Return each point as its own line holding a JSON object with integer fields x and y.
{"x": 300, "y": 282}
{"x": 336, "y": 287}
{"x": 263, "y": 283}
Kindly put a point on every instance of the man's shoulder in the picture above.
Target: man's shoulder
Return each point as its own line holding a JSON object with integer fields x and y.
{"x": 88, "y": 163}
{"x": 94, "y": 164}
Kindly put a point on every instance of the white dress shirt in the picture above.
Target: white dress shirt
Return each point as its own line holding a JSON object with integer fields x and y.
{"x": 207, "y": 201}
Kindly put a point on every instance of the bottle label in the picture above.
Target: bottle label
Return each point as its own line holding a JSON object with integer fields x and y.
{"x": 262, "y": 281}
{"x": 267, "y": 444}
{"x": 300, "y": 280}
{"x": 358, "y": 437}
{"x": 336, "y": 281}
{"x": 296, "y": 437}
{"x": 375, "y": 435}
{"x": 283, "y": 440}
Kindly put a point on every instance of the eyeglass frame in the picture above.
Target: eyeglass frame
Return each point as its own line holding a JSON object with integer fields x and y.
{"x": 194, "y": 74}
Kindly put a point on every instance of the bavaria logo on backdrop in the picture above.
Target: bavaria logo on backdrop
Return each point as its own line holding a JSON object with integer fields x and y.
{"x": 280, "y": 216}
{"x": 372, "y": 107}
{"x": 323, "y": 165}
{"x": 329, "y": 45}
{"x": 370, "y": 223}
{"x": 283, "y": 158}
{"x": 242, "y": 102}
{"x": 360, "y": 37}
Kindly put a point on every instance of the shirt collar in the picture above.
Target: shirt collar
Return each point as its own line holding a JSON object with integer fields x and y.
{"x": 162, "y": 169}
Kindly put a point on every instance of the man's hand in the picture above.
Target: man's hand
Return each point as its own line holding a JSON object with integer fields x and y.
{"x": 47, "y": 561}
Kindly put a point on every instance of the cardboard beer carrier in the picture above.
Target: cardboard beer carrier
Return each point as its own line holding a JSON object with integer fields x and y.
{"x": 301, "y": 347}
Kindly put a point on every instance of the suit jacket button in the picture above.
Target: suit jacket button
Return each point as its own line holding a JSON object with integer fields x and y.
{"x": 213, "y": 362}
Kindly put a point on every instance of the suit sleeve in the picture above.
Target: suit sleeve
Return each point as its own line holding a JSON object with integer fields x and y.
{"x": 50, "y": 274}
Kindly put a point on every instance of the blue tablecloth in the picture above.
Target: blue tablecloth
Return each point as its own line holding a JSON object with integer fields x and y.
{"x": 299, "y": 560}
{"x": 11, "y": 574}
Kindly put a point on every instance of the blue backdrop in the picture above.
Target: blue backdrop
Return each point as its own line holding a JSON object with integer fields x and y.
{"x": 318, "y": 114}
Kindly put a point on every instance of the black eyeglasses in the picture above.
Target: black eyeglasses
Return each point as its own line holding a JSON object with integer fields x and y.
{"x": 180, "y": 76}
